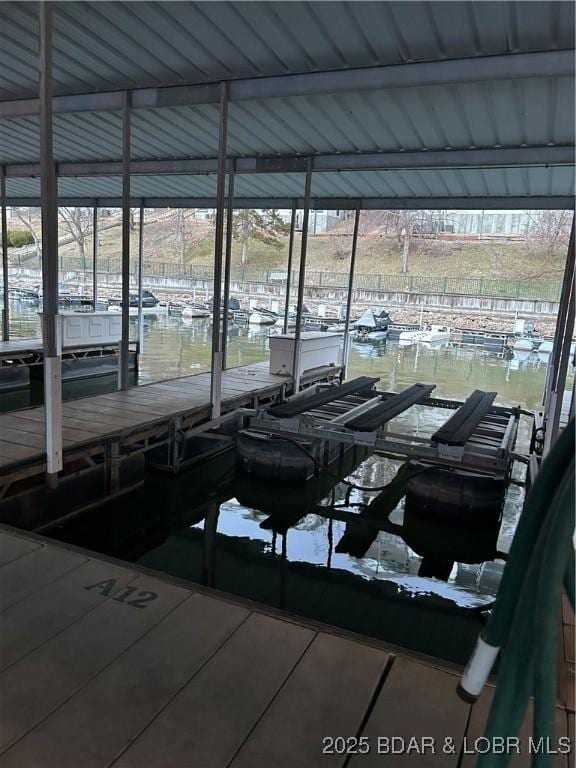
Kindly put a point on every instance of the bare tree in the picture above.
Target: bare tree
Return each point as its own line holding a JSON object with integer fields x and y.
{"x": 264, "y": 226}
{"x": 342, "y": 248}
{"x": 79, "y": 223}
{"x": 406, "y": 225}
{"x": 181, "y": 229}
{"x": 27, "y": 222}
{"x": 551, "y": 228}
{"x": 403, "y": 225}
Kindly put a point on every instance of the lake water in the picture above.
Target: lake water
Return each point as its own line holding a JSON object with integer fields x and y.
{"x": 309, "y": 550}
{"x": 174, "y": 347}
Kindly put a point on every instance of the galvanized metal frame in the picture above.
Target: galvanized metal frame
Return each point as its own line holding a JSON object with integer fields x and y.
{"x": 552, "y": 202}
{"x": 560, "y": 357}
{"x": 502, "y": 157}
{"x": 50, "y": 324}
{"x": 289, "y": 269}
{"x": 5, "y": 274}
{"x": 346, "y": 343}
{"x": 140, "y": 278}
{"x": 228, "y": 266}
{"x": 468, "y": 456}
{"x": 296, "y": 372}
{"x": 216, "y": 368}
{"x": 473, "y": 69}
{"x": 123, "y": 364}
{"x": 94, "y": 256}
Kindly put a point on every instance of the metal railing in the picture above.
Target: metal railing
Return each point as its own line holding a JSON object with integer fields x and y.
{"x": 545, "y": 290}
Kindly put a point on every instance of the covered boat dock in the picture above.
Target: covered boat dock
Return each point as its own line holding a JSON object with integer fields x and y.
{"x": 383, "y": 105}
{"x": 300, "y": 105}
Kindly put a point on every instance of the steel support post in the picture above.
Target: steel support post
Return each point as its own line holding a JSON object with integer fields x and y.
{"x": 6, "y": 313}
{"x": 140, "y": 278}
{"x": 289, "y": 268}
{"x": 216, "y": 370}
{"x": 296, "y": 371}
{"x": 346, "y": 345}
{"x": 560, "y": 357}
{"x": 49, "y": 195}
{"x": 125, "y": 340}
{"x": 95, "y": 256}
{"x": 228, "y": 267}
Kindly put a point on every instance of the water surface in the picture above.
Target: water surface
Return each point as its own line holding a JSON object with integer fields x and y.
{"x": 174, "y": 347}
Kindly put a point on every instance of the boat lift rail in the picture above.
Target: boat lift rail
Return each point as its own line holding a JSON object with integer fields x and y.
{"x": 490, "y": 431}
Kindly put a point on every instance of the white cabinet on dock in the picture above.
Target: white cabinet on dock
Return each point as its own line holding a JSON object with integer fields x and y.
{"x": 86, "y": 329}
{"x": 316, "y": 349}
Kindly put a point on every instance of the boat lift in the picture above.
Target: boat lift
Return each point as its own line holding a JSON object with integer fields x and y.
{"x": 478, "y": 436}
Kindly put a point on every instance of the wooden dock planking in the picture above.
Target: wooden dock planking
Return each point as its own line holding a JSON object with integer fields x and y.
{"x": 189, "y": 678}
{"x": 19, "y": 422}
{"x": 234, "y": 690}
{"x": 20, "y": 346}
{"x": 10, "y": 451}
{"x": 32, "y": 621}
{"x": 18, "y": 436}
{"x": 432, "y": 698}
{"x": 328, "y": 694}
{"x": 43, "y": 680}
{"x": 28, "y": 574}
{"x": 12, "y": 547}
{"x": 88, "y": 421}
{"x": 132, "y": 690}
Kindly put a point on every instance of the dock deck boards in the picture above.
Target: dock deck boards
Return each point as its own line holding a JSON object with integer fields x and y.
{"x": 102, "y": 664}
{"x": 20, "y": 346}
{"x": 89, "y": 420}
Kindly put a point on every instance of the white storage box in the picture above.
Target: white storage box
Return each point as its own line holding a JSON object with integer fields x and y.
{"x": 316, "y": 349}
{"x": 85, "y": 329}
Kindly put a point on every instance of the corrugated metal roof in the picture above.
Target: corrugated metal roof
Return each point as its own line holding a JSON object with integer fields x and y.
{"x": 103, "y": 45}
{"x": 400, "y": 184}
{"x": 111, "y": 45}
{"x": 503, "y": 113}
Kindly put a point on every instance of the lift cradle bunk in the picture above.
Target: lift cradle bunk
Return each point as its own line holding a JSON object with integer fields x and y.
{"x": 458, "y": 473}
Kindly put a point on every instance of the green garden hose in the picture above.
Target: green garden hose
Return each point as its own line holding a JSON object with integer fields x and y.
{"x": 526, "y": 621}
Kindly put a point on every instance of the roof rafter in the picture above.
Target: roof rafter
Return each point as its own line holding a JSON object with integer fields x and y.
{"x": 511, "y": 66}
{"x": 379, "y": 161}
{"x": 559, "y": 202}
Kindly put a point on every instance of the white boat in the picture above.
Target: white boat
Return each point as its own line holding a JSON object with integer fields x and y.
{"x": 546, "y": 348}
{"x": 261, "y": 316}
{"x": 524, "y": 344}
{"x": 431, "y": 335}
{"x": 191, "y": 311}
{"x": 341, "y": 328}
{"x": 436, "y": 333}
{"x": 161, "y": 309}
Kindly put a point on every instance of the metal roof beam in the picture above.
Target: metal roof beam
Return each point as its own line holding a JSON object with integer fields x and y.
{"x": 560, "y": 202}
{"x": 511, "y": 66}
{"x": 379, "y": 161}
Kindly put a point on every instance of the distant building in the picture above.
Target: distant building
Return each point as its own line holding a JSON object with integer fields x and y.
{"x": 491, "y": 222}
{"x": 319, "y": 222}
{"x": 476, "y": 222}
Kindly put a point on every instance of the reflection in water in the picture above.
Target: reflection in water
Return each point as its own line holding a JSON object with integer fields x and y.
{"x": 175, "y": 347}
{"x": 335, "y": 550}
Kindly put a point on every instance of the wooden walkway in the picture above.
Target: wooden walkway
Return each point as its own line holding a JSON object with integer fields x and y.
{"x": 90, "y": 421}
{"x": 19, "y": 346}
{"x": 104, "y": 664}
